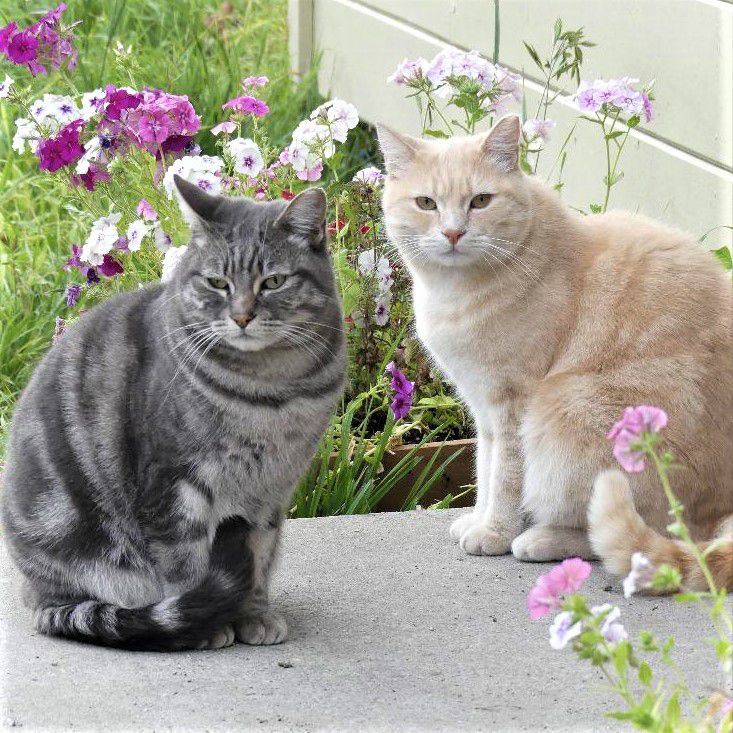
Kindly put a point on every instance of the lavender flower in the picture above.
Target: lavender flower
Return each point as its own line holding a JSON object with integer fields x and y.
{"x": 612, "y": 631}
{"x": 564, "y": 630}
{"x": 641, "y": 575}
{"x": 73, "y": 292}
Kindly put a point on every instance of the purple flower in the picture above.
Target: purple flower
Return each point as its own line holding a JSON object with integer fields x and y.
{"x": 110, "y": 267}
{"x": 647, "y": 107}
{"x": 612, "y": 630}
{"x": 152, "y": 126}
{"x": 247, "y": 105}
{"x": 118, "y": 101}
{"x": 73, "y": 292}
{"x": 64, "y": 149}
{"x": 403, "y": 388}
{"x": 146, "y": 211}
{"x": 92, "y": 276}
{"x": 89, "y": 180}
{"x": 23, "y": 47}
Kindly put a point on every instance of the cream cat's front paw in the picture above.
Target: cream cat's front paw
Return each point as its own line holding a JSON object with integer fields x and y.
{"x": 461, "y": 525}
{"x": 261, "y": 628}
{"x": 544, "y": 543}
{"x": 483, "y": 539}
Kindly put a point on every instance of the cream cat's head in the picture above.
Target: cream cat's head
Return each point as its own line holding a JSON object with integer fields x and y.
{"x": 459, "y": 202}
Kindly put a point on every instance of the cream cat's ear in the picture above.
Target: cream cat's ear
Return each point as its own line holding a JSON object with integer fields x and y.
{"x": 398, "y": 149}
{"x": 501, "y": 145}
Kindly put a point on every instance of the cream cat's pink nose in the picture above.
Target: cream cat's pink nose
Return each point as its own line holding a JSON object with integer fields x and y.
{"x": 453, "y": 235}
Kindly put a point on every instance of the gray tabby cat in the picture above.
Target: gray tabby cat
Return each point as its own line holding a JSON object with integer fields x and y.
{"x": 157, "y": 446}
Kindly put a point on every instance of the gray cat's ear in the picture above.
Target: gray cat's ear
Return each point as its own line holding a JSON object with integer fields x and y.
{"x": 398, "y": 149}
{"x": 305, "y": 216}
{"x": 501, "y": 145}
{"x": 195, "y": 205}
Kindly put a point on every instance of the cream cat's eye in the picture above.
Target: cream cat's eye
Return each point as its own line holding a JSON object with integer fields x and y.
{"x": 481, "y": 201}
{"x": 273, "y": 282}
{"x": 218, "y": 282}
{"x": 425, "y": 203}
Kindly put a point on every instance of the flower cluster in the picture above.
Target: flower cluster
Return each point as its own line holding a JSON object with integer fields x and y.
{"x": 616, "y": 96}
{"x": 314, "y": 140}
{"x": 247, "y": 104}
{"x": 202, "y": 170}
{"x": 627, "y": 432}
{"x": 403, "y": 389}
{"x": 41, "y": 44}
{"x": 452, "y": 73}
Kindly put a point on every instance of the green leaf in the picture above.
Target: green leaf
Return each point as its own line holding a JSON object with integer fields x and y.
{"x": 558, "y": 28}
{"x": 724, "y": 256}
{"x": 434, "y": 133}
{"x": 596, "y": 208}
{"x": 533, "y": 54}
{"x": 645, "y": 673}
{"x": 634, "y": 121}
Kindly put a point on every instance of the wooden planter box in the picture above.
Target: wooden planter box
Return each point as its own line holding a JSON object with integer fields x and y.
{"x": 459, "y": 472}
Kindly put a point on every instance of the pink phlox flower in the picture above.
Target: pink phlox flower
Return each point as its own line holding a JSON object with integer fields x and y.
{"x": 64, "y": 149}
{"x": 146, "y": 211}
{"x": 311, "y": 174}
{"x": 118, "y": 101}
{"x": 152, "y": 125}
{"x": 247, "y": 105}
{"x": 226, "y": 127}
{"x": 625, "y": 432}
{"x": 22, "y": 48}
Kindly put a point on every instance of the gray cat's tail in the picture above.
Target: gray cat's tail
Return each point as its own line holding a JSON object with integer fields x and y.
{"x": 190, "y": 620}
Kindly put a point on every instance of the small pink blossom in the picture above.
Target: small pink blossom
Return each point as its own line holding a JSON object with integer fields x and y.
{"x": 311, "y": 174}
{"x": 227, "y": 127}
{"x": 146, "y": 211}
{"x": 626, "y": 432}
{"x": 567, "y": 577}
{"x": 254, "y": 81}
{"x": 247, "y": 105}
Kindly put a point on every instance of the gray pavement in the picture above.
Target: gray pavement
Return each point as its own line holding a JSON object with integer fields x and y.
{"x": 393, "y": 628}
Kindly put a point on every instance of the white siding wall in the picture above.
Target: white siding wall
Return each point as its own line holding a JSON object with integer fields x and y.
{"x": 679, "y": 168}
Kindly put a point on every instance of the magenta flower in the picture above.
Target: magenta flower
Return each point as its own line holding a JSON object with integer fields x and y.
{"x": 72, "y": 294}
{"x": 64, "y": 149}
{"x": 567, "y": 577}
{"x": 91, "y": 178}
{"x": 110, "y": 267}
{"x": 118, "y": 101}
{"x": 247, "y": 105}
{"x": 626, "y": 432}
{"x": 22, "y": 48}
{"x": 146, "y": 211}
{"x": 403, "y": 389}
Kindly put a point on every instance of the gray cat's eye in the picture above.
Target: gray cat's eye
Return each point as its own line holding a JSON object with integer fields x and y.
{"x": 425, "y": 203}
{"x": 273, "y": 282}
{"x": 218, "y": 282}
{"x": 481, "y": 201}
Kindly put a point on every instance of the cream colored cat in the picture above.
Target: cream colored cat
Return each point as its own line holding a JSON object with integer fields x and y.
{"x": 549, "y": 323}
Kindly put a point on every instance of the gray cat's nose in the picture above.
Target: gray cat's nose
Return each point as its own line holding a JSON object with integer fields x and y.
{"x": 453, "y": 235}
{"x": 242, "y": 319}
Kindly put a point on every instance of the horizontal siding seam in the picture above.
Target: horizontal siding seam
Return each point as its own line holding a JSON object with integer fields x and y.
{"x": 639, "y": 133}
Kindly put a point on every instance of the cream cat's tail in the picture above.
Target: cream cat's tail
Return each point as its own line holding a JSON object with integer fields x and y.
{"x": 617, "y": 531}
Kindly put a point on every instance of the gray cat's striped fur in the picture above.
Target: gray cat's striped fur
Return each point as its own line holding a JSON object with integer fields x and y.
{"x": 158, "y": 443}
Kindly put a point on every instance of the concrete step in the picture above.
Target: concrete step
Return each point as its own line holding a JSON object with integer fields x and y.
{"x": 393, "y": 628}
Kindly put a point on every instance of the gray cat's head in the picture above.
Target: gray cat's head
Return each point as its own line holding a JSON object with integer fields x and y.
{"x": 255, "y": 273}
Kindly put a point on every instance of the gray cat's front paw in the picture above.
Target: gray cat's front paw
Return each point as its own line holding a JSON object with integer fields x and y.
{"x": 222, "y": 638}
{"x": 261, "y": 627}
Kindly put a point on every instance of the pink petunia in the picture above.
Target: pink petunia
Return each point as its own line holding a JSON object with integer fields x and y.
{"x": 567, "y": 577}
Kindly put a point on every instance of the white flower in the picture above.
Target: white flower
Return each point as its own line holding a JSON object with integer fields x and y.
{"x": 5, "y": 87}
{"x": 56, "y": 109}
{"x": 370, "y": 176}
{"x": 343, "y": 113}
{"x": 381, "y": 309}
{"x": 301, "y": 156}
{"x": 368, "y": 265}
{"x": 161, "y": 239}
{"x": 102, "y": 238}
{"x": 198, "y": 169}
{"x": 136, "y": 232}
{"x": 26, "y": 133}
{"x": 641, "y": 575}
{"x": 613, "y": 631}
{"x": 246, "y": 156}
{"x": 316, "y": 137}
{"x": 537, "y": 132}
{"x": 563, "y": 630}
{"x": 92, "y": 154}
{"x": 170, "y": 262}
{"x": 91, "y": 103}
